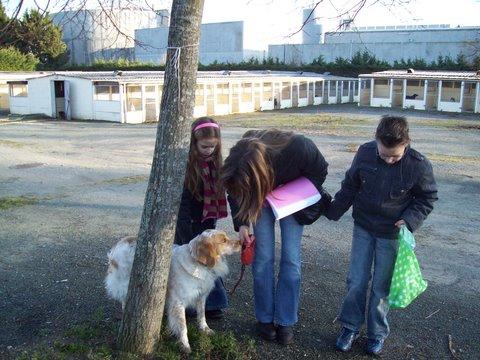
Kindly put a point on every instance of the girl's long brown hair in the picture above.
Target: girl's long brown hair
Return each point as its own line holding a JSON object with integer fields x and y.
{"x": 193, "y": 177}
{"x": 248, "y": 172}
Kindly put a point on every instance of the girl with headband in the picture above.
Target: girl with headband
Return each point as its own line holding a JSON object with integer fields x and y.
{"x": 202, "y": 202}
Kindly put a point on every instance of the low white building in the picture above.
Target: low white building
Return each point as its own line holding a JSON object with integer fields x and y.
{"x": 455, "y": 91}
{"x": 134, "y": 97}
{"x": 12, "y": 76}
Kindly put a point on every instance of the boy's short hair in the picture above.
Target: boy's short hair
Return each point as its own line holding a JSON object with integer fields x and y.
{"x": 392, "y": 131}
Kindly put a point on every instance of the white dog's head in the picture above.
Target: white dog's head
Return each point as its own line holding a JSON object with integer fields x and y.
{"x": 209, "y": 247}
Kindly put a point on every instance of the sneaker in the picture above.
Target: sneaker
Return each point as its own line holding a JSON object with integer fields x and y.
{"x": 375, "y": 346}
{"x": 345, "y": 339}
{"x": 285, "y": 334}
{"x": 214, "y": 314}
{"x": 267, "y": 331}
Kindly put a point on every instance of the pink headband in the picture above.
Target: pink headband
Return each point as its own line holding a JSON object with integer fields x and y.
{"x": 207, "y": 124}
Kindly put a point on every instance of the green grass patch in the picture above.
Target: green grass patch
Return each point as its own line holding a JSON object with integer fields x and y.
{"x": 447, "y": 124}
{"x": 10, "y": 143}
{"x": 454, "y": 159}
{"x": 126, "y": 180}
{"x": 17, "y": 201}
{"x": 330, "y": 124}
{"x": 94, "y": 340}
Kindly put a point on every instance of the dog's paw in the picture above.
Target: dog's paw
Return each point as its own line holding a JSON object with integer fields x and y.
{"x": 207, "y": 330}
{"x": 186, "y": 348}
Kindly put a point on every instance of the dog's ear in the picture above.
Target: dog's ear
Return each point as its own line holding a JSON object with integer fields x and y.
{"x": 207, "y": 253}
{"x": 221, "y": 237}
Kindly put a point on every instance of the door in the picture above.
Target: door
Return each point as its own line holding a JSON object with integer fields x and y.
{"x": 59, "y": 99}
{"x": 151, "y": 103}
{"x": 68, "y": 110}
{"x": 397, "y": 96}
{"x": 294, "y": 95}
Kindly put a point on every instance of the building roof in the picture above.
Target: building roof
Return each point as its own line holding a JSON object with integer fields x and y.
{"x": 146, "y": 76}
{"x": 421, "y": 74}
{"x": 21, "y": 75}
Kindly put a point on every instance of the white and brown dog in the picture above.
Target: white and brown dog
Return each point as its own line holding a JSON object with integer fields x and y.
{"x": 193, "y": 270}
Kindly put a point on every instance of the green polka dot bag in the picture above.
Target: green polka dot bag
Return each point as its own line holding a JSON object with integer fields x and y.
{"x": 407, "y": 281}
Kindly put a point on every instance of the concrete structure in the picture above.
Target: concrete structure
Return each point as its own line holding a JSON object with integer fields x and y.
{"x": 134, "y": 97}
{"x": 423, "y": 90}
{"x": 221, "y": 42}
{"x": 387, "y": 43}
{"x": 97, "y": 34}
{"x": 312, "y": 32}
{"x": 16, "y": 76}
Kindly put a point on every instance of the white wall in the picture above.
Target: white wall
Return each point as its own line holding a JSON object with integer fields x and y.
{"x": 20, "y": 105}
{"x": 385, "y": 45}
{"x": 107, "y": 110}
{"x": 414, "y": 104}
{"x": 81, "y": 98}
{"x": 40, "y": 95}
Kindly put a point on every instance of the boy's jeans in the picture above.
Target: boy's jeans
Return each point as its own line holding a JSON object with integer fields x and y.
{"x": 280, "y": 304}
{"x": 366, "y": 249}
{"x": 217, "y": 299}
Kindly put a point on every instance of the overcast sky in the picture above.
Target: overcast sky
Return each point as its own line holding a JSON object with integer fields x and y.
{"x": 274, "y": 21}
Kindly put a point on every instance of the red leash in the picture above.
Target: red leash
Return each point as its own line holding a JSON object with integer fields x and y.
{"x": 248, "y": 253}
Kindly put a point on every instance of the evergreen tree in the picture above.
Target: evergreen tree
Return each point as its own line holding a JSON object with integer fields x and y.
{"x": 11, "y": 59}
{"x": 38, "y": 35}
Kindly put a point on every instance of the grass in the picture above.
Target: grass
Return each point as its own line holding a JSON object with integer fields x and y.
{"x": 14, "y": 144}
{"x": 93, "y": 340}
{"x": 126, "y": 180}
{"x": 17, "y": 201}
{"x": 454, "y": 159}
{"x": 326, "y": 123}
{"x": 447, "y": 124}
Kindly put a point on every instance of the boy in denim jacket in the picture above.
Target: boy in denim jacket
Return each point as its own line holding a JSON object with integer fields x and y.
{"x": 389, "y": 185}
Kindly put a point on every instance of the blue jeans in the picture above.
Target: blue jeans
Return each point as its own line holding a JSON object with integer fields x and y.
{"x": 217, "y": 299}
{"x": 366, "y": 249}
{"x": 277, "y": 304}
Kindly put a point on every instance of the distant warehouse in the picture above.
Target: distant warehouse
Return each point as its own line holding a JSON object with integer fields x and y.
{"x": 135, "y": 96}
{"x": 455, "y": 91}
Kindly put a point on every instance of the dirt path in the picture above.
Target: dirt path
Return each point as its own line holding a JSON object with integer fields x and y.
{"x": 84, "y": 185}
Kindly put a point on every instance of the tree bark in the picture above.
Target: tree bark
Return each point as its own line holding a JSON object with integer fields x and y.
{"x": 140, "y": 328}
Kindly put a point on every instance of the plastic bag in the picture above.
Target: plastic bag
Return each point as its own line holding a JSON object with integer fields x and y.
{"x": 407, "y": 281}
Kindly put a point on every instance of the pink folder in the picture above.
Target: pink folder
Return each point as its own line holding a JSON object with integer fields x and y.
{"x": 292, "y": 197}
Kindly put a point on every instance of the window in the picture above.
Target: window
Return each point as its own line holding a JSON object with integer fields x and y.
{"x": 19, "y": 89}
{"x": 345, "y": 88}
{"x": 134, "y": 98}
{"x": 415, "y": 89}
{"x": 267, "y": 91}
{"x": 246, "y": 92}
{"x": 223, "y": 93}
{"x": 318, "y": 89}
{"x": 332, "y": 88}
{"x": 199, "y": 96}
{"x": 451, "y": 91}
{"x": 303, "y": 90}
{"x": 355, "y": 88}
{"x": 106, "y": 92}
{"x": 365, "y": 84}
{"x": 286, "y": 93}
{"x": 381, "y": 88}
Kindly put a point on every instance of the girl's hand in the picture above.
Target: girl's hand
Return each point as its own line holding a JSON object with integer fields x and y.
{"x": 243, "y": 234}
{"x": 399, "y": 223}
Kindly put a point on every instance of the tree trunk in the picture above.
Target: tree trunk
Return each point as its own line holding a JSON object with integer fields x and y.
{"x": 140, "y": 329}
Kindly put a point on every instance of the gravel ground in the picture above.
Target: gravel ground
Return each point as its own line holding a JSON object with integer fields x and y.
{"x": 86, "y": 183}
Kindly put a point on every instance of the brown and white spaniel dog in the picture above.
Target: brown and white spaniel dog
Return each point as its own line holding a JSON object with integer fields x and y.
{"x": 193, "y": 270}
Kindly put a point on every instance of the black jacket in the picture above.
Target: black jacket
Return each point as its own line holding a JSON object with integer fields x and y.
{"x": 189, "y": 220}
{"x": 299, "y": 158}
{"x": 382, "y": 194}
